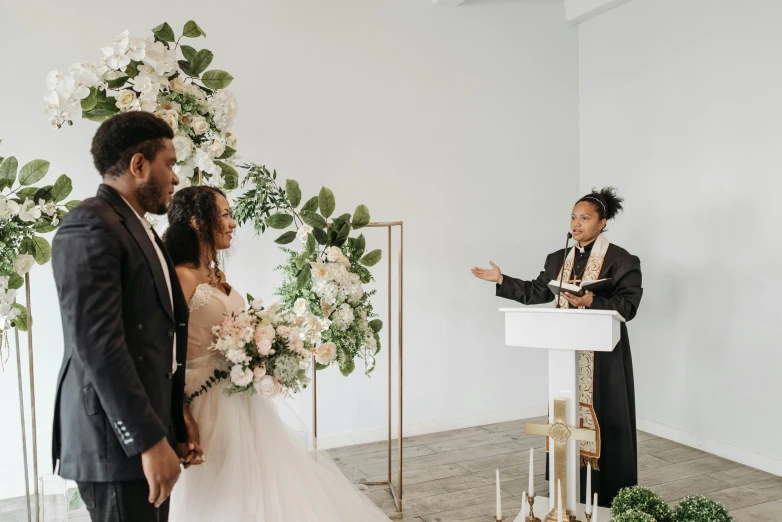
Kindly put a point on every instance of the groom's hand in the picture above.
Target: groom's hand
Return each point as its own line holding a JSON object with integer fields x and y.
{"x": 161, "y": 469}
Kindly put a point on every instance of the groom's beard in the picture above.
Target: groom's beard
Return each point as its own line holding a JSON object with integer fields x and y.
{"x": 150, "y": 197}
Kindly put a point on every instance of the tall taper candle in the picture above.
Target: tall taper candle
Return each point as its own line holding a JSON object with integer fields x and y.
{"x": 589, "y": 490}
{"x": 499, "y": 502}
{"x": 524, "y": 506}
{"x": 531, "y": 487}
{"x": 594, "y": 517}
{"x": 559, "y": 501}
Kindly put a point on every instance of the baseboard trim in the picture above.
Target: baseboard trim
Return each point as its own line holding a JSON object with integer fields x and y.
{"x": 715, "y": 447}
{"x": 412, "y": 429}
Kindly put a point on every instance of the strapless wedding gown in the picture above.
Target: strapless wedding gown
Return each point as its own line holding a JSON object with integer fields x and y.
{"x": 257, "y": 469}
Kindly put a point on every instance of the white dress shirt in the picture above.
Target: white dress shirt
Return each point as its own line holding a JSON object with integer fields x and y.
{"x": 148, "y": 227}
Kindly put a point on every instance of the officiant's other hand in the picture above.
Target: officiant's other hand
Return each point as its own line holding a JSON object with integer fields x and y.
{"x": 575, "y": 301}
{"x": 161, "y": 469}
{"x": 493, "y": 274}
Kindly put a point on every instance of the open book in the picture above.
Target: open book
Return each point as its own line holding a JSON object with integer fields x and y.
{"x": 578, "y": 290}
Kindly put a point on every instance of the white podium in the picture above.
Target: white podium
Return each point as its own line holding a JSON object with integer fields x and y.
{"x": 563, "y": 332}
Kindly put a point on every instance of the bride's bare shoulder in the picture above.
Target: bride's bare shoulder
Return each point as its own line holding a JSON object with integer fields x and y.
{"x": 189, "y": 279}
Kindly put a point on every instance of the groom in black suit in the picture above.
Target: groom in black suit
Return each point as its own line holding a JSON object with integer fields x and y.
{"x": 118, "y": 410}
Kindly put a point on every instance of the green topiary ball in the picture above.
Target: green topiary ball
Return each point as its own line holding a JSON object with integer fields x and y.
{"x": 697, "y": 508}
{"x": 644, "y": 500}
{"x": 633, "y": 516}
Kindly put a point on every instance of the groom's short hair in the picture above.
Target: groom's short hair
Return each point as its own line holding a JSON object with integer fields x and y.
{"x": 126, "y": 134}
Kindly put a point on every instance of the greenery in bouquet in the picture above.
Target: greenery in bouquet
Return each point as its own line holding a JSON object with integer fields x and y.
{"x": 264, "y": 351}
{"x": 327, "y": 273}
{"x": 697, "y": 508}
{"x": 26, "y": 213}
{"x": 637, "y": 498}
{"x": 157, "y": 74}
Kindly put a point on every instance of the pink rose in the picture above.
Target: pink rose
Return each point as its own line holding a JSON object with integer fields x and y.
{"x": 264, "y": 346}
{"x": 266, "y": 387}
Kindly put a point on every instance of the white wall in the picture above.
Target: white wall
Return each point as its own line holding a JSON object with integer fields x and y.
{"x": 460, "y": 121}
{"x": 679, "y": 105}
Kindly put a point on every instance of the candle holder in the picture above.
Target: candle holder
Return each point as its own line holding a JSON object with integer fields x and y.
{"x": 588, "y": 517}
{"x": 498, "y": 519}
{"x": 531, "y": 517}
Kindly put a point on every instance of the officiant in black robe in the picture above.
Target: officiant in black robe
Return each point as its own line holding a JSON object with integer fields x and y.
{"x": 615, "y": 458}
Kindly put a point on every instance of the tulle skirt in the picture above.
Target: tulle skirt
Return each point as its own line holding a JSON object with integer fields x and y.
{"x": 260, "y": 469}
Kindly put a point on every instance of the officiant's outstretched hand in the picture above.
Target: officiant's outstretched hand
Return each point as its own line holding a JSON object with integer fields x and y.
{"x": 493, "y": 274}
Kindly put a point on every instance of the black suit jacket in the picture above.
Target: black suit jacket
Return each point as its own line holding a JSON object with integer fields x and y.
{"x": 116, "y": 395}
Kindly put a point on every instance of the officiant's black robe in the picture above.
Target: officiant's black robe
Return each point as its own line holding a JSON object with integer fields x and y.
{"x": 614, "y": 393}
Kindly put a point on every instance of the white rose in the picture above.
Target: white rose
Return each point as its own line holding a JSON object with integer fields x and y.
{"x": 29, "y": 212}
{"x": 171, "y": 117}
{"x": 258, "y": 372}
{"x": 23, "y": 263}
{"x": 303, "y": 233}
{"x": 178, "y": 85}
{"x": 325, "y": 353}
{"x": 320, "y": 271}
{"x": 200, "y": 125}
{"x": 300, "y": 306}
{"x": 283, "y": 331}
{"x": 264, "y": 346}
{"x": 265, "y": 332}
{"x": 266, "y": 387}
{"x": 216, "y": 149}
{"x": 333, "y": 254}
{"x": 241, "y": 377}
{"x": 183, "y": 147}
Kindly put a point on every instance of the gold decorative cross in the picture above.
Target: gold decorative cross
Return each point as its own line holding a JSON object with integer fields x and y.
{"x": 560, "y": 433}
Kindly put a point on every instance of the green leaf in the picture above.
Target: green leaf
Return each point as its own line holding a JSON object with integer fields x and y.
{"x": 27, "y": 193}
{"x": 313, "y": 219}
{"x": 293, "y": 191}
{"x": 376, "y": 325}
{"x": 217, "y": 79}
{"x": 192, "y": 30}
{"x": 372, "y": 258}
{"x": 228, "y": 153}
{"x": 319, "y": 366}
{"x": 44, "y": 193}
{"x": 360, "y": 244}
{"x": 164, "y": 32}
{"x": 75, "y": 502}
{"x": 91, "y": 101}
{"x": 303, "y": 278}
{"x": 279, "y": 220}
{"x": 62, "y": 188}
{"x": 312, "y": 244}
{"x": 20, "y": 323}
{"x": 116, "y": 83}
{"x": 311, "y": 205}
{"x": 33, "y": 172}
{"x": 99, "y": 115}
{"x": 326, "y": 202}
{"x": 8, "y": 169}
{"x": 230, "y": 175}
{"x": 347, "y": 367}
{"x": 286, "y": 238}
{"x": 44, "y": 225}
{"x": 250, "y": 299}
{"x": 185, "y": 66}
{"x": 344, "y": 232}
{"x": 26, "y": 246}
{"x": 15, "y": 281}
{"x": 320, "y": 236}
{"x": 301, "y": 260}
{"x": 72, "y": 204}
{"x": 42, "y": 250}
{"x": 360, "y": 217}
{"x": 132, "y": 69}
{"x": 188, "y": 52}
{"x": 201, "y": 61}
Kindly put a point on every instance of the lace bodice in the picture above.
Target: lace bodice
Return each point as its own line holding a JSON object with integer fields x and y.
{"x": 207, "y": 307}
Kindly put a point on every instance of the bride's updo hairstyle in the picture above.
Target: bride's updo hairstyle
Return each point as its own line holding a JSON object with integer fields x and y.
{"x": 194, "y": 222}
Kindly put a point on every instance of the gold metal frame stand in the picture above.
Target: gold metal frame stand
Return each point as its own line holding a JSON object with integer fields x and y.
{"x": 396, "y": 492}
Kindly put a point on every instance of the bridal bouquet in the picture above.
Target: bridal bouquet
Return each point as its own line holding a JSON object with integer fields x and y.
{"x": 266, "y": 351}
{"x": 147, "y": 74}
{"x": 327, "y": 276}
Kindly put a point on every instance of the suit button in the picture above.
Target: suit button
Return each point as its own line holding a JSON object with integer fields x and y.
{"x": 171, "y": 333}
{"x": 140, "y": 358}
{"x": 141, "y": 327}
{"x": 169, "y": 375}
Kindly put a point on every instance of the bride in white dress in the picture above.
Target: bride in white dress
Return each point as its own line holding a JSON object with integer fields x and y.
{"x": 254, "y": 467}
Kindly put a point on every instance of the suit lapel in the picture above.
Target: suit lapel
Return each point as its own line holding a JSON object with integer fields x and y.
{"x": 139, "y": 234}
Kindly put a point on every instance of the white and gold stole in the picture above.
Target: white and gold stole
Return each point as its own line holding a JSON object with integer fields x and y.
{"x": 590, "y": 451}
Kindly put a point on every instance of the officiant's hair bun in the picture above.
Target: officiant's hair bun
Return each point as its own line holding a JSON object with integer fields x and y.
{"x": 606, "y": 202}
{"x": 122, "y": 136}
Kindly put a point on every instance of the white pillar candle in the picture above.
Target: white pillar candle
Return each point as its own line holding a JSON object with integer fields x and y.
{"x": 559, "y": 502}
{"x": 594, "y": 517}
{"x": 524, "y": 506}
{"x": 531, "y": 487}
{"x": 589, "y": 490}
{"x": 499, "y": 502}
